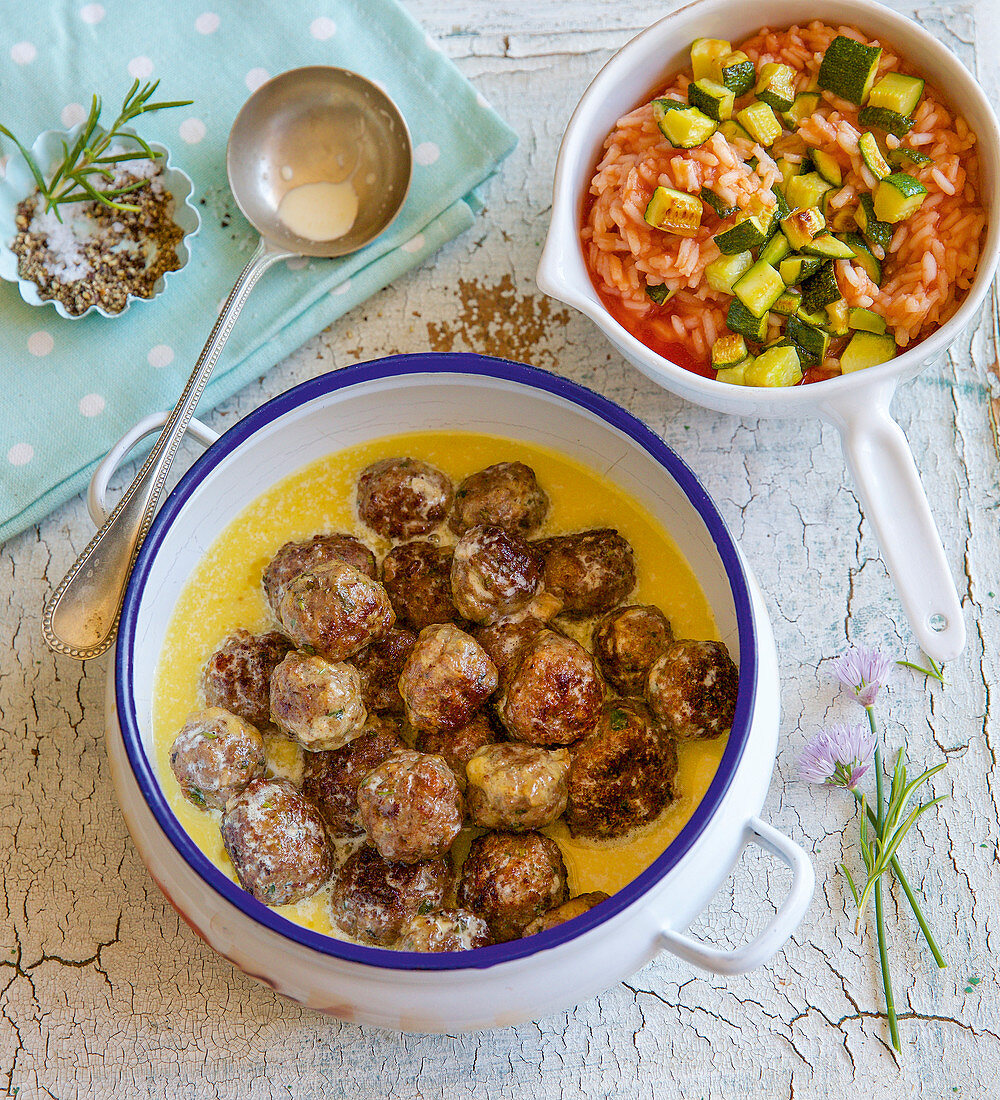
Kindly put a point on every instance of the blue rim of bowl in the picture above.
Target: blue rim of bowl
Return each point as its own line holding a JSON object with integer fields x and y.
{"x": 459, "y": 364}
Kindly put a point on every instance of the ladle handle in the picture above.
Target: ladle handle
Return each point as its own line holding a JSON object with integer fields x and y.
{"x": 81, "y": 617}
{"x": 895, "y": 504}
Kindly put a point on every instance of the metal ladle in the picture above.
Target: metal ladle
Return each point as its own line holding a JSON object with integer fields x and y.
{"x": 309, "y": 125}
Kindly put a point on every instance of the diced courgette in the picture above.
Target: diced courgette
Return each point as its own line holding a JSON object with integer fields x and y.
{"x": 798, "y": 268}
{"x": 759, "y": 121}
{"x": 897, "y": 197}
{"x": 741, "y": 320}
{"x": 735, "y": 71}
{"x": 778, "y": 366}
{"x": 729, "y": 351}
{"x": 731, "y": 130}
{"x": 776, "y": 86}
{"x": 726, "y": 270}
{"x": 837, "y": 318}
{"x": 864, "y": 257}
{"x": 674, "y": 212}
{"x": 810, "y": 342}
{"x": 759, "y": 288}
{"x": 685, "y": 127}
{"x": 806, "y": 190}
{"x": 821, "y": 289}
{"x": 827, "y": 246}
{"x": 711, "y": 99}
{"x": 828, "y": 168}
{"x": 883, "y": 119}
{"x": 717, "y": 203}
{"x": 902, "y": 157}
{"x": 804, "y": 105}
{"x": 788, "y": 169}
{"x": 781, "y": 207}
{"x": 871, "y": 154}
{"x": 705, "y": 51}
{"x": 660, "y": 294}
{"x": 788, "y": 302}
{"x": 843, "y": 220}
{"x": 776, "y": 249}
{"x": 876, "y": 232}
{"x": 734, "y": 375}
{"x": 848, "y": 69}
{"x": 898, "y": 93}
{"x": 867, "y": 349}
{"x": 802, "y": 226}
{"x": 751, "y": 232}
{"x": 865, "y": 320}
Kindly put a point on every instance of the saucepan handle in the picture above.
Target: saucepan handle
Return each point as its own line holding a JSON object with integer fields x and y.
{"x": 779, "y": 928}
{"x": 98, "y": 489}
{"x": 895, "y": 504}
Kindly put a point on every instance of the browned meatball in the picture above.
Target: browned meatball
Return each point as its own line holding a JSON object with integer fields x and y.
{"x": 507, "y": 641}
{"x": 372, "y": 898}
{"x": 417, "y": 576}
{"x": 317, "y": 702}
{"x": 277, "y": 842}
{"x": 335, "y": 610}
{"x": 330, "y": 779}
{"x": 511, "y": 879}
{"x": 626, "y": 643}
{"x": 692, "y": 689}
{"x": 380, "y": 665}
{"x": 215, "y": 755}
{"x": 445, "y": 930}
{"x": 400, "y": 498}
{"x": 622, "y": 774}
{"x": 237, "y": 676}
{"x": 411, "y": 806}
{"x": 505, "y": 495}
{"x": 575, "y": 907}
{"x": 295, "y": 558}
{"x": 493, "y": 574}
{"x": 516, "y": 787}
{"x": 457, "y": 746}
{"x": 554, "y": 696}
{"x": 446, "y": 679}
{"x": 590, "y": 572}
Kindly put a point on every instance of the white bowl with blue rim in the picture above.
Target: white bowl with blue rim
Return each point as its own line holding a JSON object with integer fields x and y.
{"x": 527, "y": 978}
{"x": 18, "y": 183}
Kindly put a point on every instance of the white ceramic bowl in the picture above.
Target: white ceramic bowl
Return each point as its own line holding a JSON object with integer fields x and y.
{"x": 18, "y": 183}
{"x": 511, "y": 982}
{"x": 858, "y": 404}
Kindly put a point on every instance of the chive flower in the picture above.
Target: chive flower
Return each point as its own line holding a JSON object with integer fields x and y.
{"x": 864, "y": 670}
{"x": 838, "y": 756}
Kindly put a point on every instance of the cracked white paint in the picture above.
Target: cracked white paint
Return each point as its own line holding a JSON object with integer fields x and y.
{"x": 105, "y": 992}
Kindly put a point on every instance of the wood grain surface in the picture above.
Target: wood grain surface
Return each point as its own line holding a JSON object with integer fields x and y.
{"x": 105, "y": 992}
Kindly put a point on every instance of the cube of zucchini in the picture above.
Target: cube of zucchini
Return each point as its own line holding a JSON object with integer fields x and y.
{"x": 674, "y": 212}
{"x": 759, "y": 121}
{"x": 788, "y": 169}
{"x": 871, "y": 154}
{"x": 882, "y": 119}
{"x": 729, "y": 351}
{"x": 864, "y": 257}
{"x": 714, "y": 100}
{"x": 865, "y": 320}
{"x": 802, "y": 226}
{"x": 704, "y": 51}
{"x": 717, "y": 203}
{"x": 876, "y": 232}
{"x": 828, "y": 168}
{"x": 726, "y": 270}
{"x": 734, "y": 375}
{"x": 819, "y": 290}
{"x": 806, "y": 190}
{"x": 778, "y": 366}
{"x": 837, "y": 318}
{"x": 751, "y": 232}
{"x": 848, "y": 69}
{"x": 898, "y": 93}
{"x": 867, "y": 349}
{"x": 903, "y": 157}
{"x": 843, "y": 220}
{"x": 735, "y": 72}
{"x": 759, "y": 288}
{"x": 897, "y": 197}
{"x": 788, "y": 303}
{"x": 776, "y": 86}
{"x": 796, "y": 269}
{"x": 740, "y": 319}
{"x": 810, "y": 342}
{"x": 827, "y": 246}
{"x": 660, "y": 294}
{"x": 731, "y": 130}
{"x": 776, "y": 249}
{"x": 685, "y": 127}
{"x": 804, "y": 105}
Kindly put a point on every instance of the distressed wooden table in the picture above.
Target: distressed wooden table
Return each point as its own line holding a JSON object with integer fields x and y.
{"x": 105, "y": 992}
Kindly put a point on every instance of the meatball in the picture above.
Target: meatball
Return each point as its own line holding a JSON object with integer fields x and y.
{"x": 215, "y": 755}
{"x": 277, "y": 842}
{"x": 316, "y": 702}
{"x": 516, "y": 787}
{"x": 330, "y": 779}
{"x": 237, "y": 676}
{"x": 507, "y": 641}
{"x": 457, "y": 746}
{"x": 554, "y": 696}
{"x": 505, "y": 495}
{"x": 335, "y": 610}
{"x": 511, "y": 879}
{"x": 446, "y": 679}
{"x": 622, "y": 774}
{"x": 417, "y": 577}
{"x": 575, "y": 907}
{"x": 493, "y": 574}
{"x": 626, "y": 643}
{"x": 379, "y": 665}
{"x": 400, "y": 498}
{"x": 411, "y": 806}
{"x": 590, "y": 572}
{"x": 372, "y": 899}
{"x": 692, "y": 689}
{"x": 445, "y": 930}
{"x": 295, "y": 558}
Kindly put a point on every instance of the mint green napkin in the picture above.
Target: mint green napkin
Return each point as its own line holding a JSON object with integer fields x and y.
{"x": 70, "y": 388}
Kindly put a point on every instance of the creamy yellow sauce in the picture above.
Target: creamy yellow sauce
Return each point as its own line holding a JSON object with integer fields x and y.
{"x": 224, "y": 593}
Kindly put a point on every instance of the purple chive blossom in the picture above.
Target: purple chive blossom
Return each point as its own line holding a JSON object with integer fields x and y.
{"x": 864, "y": 671}
{"x": 839, "y": 755}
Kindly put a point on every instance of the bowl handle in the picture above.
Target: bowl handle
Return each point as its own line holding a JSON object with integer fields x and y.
{"x": 779, "y": 928}
{"x": 98, "y": 489}
{"x": 888, "y": 484}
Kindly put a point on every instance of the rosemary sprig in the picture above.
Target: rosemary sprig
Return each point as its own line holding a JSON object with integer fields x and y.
{"x": 87, "y": 168}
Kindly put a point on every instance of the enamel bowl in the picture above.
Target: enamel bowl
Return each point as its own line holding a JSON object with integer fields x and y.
{"x": 528, "y": 978}
{"x": 18, "y": 183}
{"x": 857, "y": 404}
